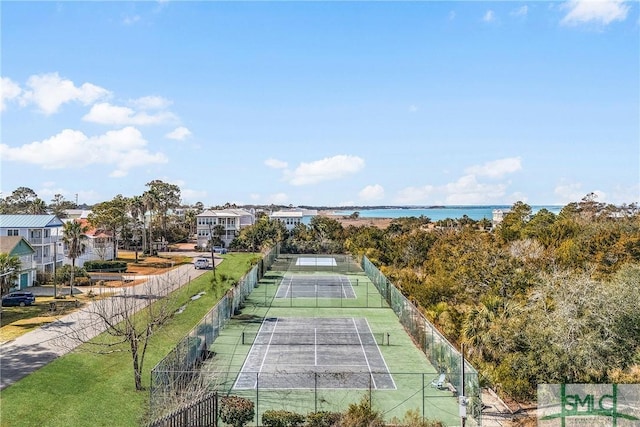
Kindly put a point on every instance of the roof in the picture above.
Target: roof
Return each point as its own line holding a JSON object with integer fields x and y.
{"x": 15, "y": 246}
{"x": 93, "y": 232}
{"x": 294, "y": 213}
{"x": 29, "y": 221}
{"x": 225, "y": 213}
{"x": 287, "y": 214}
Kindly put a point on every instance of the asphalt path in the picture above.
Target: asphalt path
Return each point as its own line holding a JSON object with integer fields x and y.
{"x": 37, "y": 348}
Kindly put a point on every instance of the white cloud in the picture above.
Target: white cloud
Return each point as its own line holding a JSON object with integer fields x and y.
{"x": 277, "y": 199}
{"x": 50, "y": 91}
{"x": 601, "y": 12}
{"x": 130, "y": 20}
{"x": 8, "y": 91}
{"x": 326, "y": 169}
{"x": 179, "y": 133}
{"x": 496, "y": 168}
{"x": 568, "y": 192}
{"x": 521, "y": 11}
{"x": 371, "y": 192}
{"x": 123, "y": 149}
{"x": 276, "y": 164}
{"x": 151, "y": 103}
{"x": 107, "y": 114}
{"x": 489, "y": 16}
{"x": 192, "y": 196}
{"x": 468, "y": 191}
{"x": 415, "y": 195}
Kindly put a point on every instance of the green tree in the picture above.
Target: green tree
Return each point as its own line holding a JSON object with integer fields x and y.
{"x": 164, "y": 197}
{"x": 59, "y": 206}
{"x": 20, "y": 201}
{"x": 74, "y": 237}
{"x": 513, "y": 223}
{"x": 9, "y": 271}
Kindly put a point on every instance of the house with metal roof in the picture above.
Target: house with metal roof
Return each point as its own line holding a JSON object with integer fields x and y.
{"x": 43, "y": 232}
{"x": 294, "y": 216}
{"x": 17, "y": 246}
{"x": 231, "y": 220}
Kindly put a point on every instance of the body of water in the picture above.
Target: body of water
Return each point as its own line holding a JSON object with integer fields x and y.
{"x": 441, "y": 212}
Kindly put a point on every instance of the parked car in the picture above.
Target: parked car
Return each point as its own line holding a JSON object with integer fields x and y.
{"x": 202, "y": 263}
{"x": 219, "y": 250}
{"x": 20, "y": 298}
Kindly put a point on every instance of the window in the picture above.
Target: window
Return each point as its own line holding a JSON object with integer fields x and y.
{"x": 13, "y": 232}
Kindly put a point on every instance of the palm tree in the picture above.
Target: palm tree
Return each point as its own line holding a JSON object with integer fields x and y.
{"x": 9, "y": 271}
{"x": 73, "y": 236}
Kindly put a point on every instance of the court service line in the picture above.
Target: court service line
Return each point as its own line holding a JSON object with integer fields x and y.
{"x": 355, "y": 325}
{"x": 315, "y": 346}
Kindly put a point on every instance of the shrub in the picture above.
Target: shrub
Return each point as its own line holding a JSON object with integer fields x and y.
{"x": 362, "y": 415}
{"x": 323, "y": 419}
{"x": 272, "y": 418}
{"x": 236, "y": 410}
{"x": 112, "y": 266}
{"x": 414, "y": 419}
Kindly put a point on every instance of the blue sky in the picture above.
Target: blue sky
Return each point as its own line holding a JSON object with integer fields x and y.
{"x": 323, "y": 103}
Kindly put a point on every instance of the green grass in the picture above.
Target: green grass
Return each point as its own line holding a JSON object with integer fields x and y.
{"x": 87, "y": 389}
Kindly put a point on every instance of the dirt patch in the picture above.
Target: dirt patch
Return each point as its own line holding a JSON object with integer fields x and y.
{"x": 346, "y": 221}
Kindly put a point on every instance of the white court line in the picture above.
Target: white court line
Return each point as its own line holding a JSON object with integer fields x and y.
{"x": 395, "y": 387}
{"x": 355, "y": 325}
{"x": 264, "y": 358}
{"x": 248, "y": 356}
{"x": 315, "y": 346}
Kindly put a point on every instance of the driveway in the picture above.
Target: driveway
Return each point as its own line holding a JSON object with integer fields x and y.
{"x": 35, "y": 349}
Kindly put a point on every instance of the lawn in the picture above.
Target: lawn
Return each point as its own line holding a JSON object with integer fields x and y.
{"x": 87, "y": 389}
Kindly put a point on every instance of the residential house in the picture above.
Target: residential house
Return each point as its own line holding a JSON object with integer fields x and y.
{"x": 292, "y": 217}
{"x": 232, "y": 220}
{"x": 498, "y": 216}
{"x": 17, "y": 246}
{"x": 44, "y": 234}
{"x": 97, "y": 246}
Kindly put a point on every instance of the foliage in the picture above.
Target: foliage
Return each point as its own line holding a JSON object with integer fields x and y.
{"x": 74, "y": 237}
{"x": 236, "y": 411}
{"x": 10, "y": 270}
{"x": 63, "y": 274}
{"x": 362, "y": 415}
{"x": 97, "y": 265}
{"x": 412, "y": 418}
{"x": 281, "y": 418}
{"x": 323, "y": 419}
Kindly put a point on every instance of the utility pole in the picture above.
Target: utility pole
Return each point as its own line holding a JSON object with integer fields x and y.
{"x": 463, "y": 399}
{"x": 213, "y": 259}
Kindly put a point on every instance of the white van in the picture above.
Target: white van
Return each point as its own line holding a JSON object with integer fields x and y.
{"x": 202, "y": 263}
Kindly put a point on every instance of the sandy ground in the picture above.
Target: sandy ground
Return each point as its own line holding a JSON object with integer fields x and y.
{"x": 358, "y": 222}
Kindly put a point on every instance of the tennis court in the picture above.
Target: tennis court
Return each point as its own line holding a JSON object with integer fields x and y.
{"x": 306, "y": 261}
{"x": 290, "y": 352}
{"x": 316, "y": 286}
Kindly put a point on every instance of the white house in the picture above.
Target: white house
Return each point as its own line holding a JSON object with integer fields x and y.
{"x": 43, "y": 232}
{"x": 292, "y": 217}
{"x": 232, "y": 220}
{"x": 97, "y": 246}
{"x": 17, "y": 246}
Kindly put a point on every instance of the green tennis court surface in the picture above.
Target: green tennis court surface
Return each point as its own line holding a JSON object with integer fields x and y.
{"x": 316, "y": 286}
{"x": 301, "y": 345}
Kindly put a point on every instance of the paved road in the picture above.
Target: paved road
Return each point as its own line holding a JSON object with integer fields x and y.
{"x": 35, "y": 349}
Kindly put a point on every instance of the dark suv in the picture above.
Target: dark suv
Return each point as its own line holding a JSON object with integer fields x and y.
{"x": 20, "y": 298}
